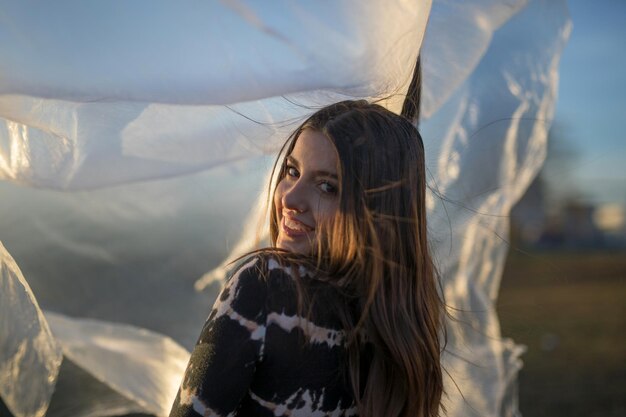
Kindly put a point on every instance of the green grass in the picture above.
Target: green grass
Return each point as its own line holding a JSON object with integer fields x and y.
{"x": 569, "y": 309}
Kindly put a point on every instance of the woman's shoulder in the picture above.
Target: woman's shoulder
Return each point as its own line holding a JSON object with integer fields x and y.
{"x": 290, "y": 290}
{"x": 270, "y": 266}
{"x": 280, "y": 278}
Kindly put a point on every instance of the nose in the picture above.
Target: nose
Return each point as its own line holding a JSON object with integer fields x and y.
{"x": 294, "y": 197}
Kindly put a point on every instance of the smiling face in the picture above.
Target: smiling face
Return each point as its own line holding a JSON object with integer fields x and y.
{"x": 307, "y": 197}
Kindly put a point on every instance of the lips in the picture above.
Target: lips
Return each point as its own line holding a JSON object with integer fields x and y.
{"x": 295, "y": 228}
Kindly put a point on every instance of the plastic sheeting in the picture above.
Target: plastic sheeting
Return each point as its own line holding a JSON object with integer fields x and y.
{"x": 127, "y": 101}
{"x": 174, "y": 91}
{"x": 29, "y": 355}
{"x": 495, "y": 129}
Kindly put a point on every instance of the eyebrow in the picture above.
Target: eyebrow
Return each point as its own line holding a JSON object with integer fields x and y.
{"x": 318, "y": 173}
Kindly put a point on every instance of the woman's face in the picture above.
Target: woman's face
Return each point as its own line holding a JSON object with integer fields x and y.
{"x": 308, "y": 195}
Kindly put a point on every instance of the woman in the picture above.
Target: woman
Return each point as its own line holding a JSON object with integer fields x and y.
{"x": 342, "y": 315}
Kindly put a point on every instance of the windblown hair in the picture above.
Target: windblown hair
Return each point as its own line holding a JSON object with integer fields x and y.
{"x": 377, "y": 247}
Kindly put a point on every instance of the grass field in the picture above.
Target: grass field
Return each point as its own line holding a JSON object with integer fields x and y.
{"x": 569, "y": 309}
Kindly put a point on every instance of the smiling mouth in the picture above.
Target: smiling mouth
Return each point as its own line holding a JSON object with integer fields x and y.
{"x": 294, "y": 228}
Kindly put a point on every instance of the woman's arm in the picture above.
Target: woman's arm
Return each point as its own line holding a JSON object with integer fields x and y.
{"x": 224, "y": 360}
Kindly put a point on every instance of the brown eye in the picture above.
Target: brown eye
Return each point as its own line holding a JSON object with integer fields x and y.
{"x": 328, "y": 188}
{"x": 292, "y": 171}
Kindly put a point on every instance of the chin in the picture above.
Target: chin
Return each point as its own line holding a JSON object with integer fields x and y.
{"x": 302, "y": 248}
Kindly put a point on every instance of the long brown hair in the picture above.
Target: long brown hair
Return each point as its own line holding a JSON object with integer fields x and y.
{"x": 377, "y": 247}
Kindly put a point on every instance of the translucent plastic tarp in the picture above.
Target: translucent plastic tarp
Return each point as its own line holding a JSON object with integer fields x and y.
{"x": 29, "y": 355}
{"x": 130, "y": 94}
{"x": 104, "y": 95}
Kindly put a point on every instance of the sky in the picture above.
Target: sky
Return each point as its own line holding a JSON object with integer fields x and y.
{"x": 590, "y": 118}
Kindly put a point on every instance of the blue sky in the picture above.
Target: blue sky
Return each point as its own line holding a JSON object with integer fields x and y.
{"x": 591, "y": 110}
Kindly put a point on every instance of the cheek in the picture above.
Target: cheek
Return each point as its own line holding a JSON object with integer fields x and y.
{"x": 278, "y": 195}
{"x": 327, "y": 212}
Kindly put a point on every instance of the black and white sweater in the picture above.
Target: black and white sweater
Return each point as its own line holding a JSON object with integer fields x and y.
{"x": 256, "y": 356}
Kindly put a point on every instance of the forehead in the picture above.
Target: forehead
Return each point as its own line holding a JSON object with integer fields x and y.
{"x": 314, "y": 151}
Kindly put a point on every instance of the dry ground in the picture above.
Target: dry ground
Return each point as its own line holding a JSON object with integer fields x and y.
{"x": 569, "y": 309}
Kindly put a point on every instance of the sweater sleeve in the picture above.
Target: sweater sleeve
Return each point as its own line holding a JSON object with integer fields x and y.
{"x": 223, "y": 362}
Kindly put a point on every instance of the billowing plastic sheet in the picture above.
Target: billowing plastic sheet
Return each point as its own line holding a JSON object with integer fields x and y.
{"x": 124, "y": 98}
{"x": 490, "y": 141}
{"x": 143, "y": 366}
{"x": 29, "y": 355}
{"x": 94, "y": 98}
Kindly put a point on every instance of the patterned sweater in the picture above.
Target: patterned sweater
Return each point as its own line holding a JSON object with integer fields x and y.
{"x": 257, "y": 357}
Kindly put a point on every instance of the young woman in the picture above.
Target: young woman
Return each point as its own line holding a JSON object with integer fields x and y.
{"x": 341, "y": 317}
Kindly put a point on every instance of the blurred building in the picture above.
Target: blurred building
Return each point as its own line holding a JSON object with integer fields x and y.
{"x": 570, "y": 224}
